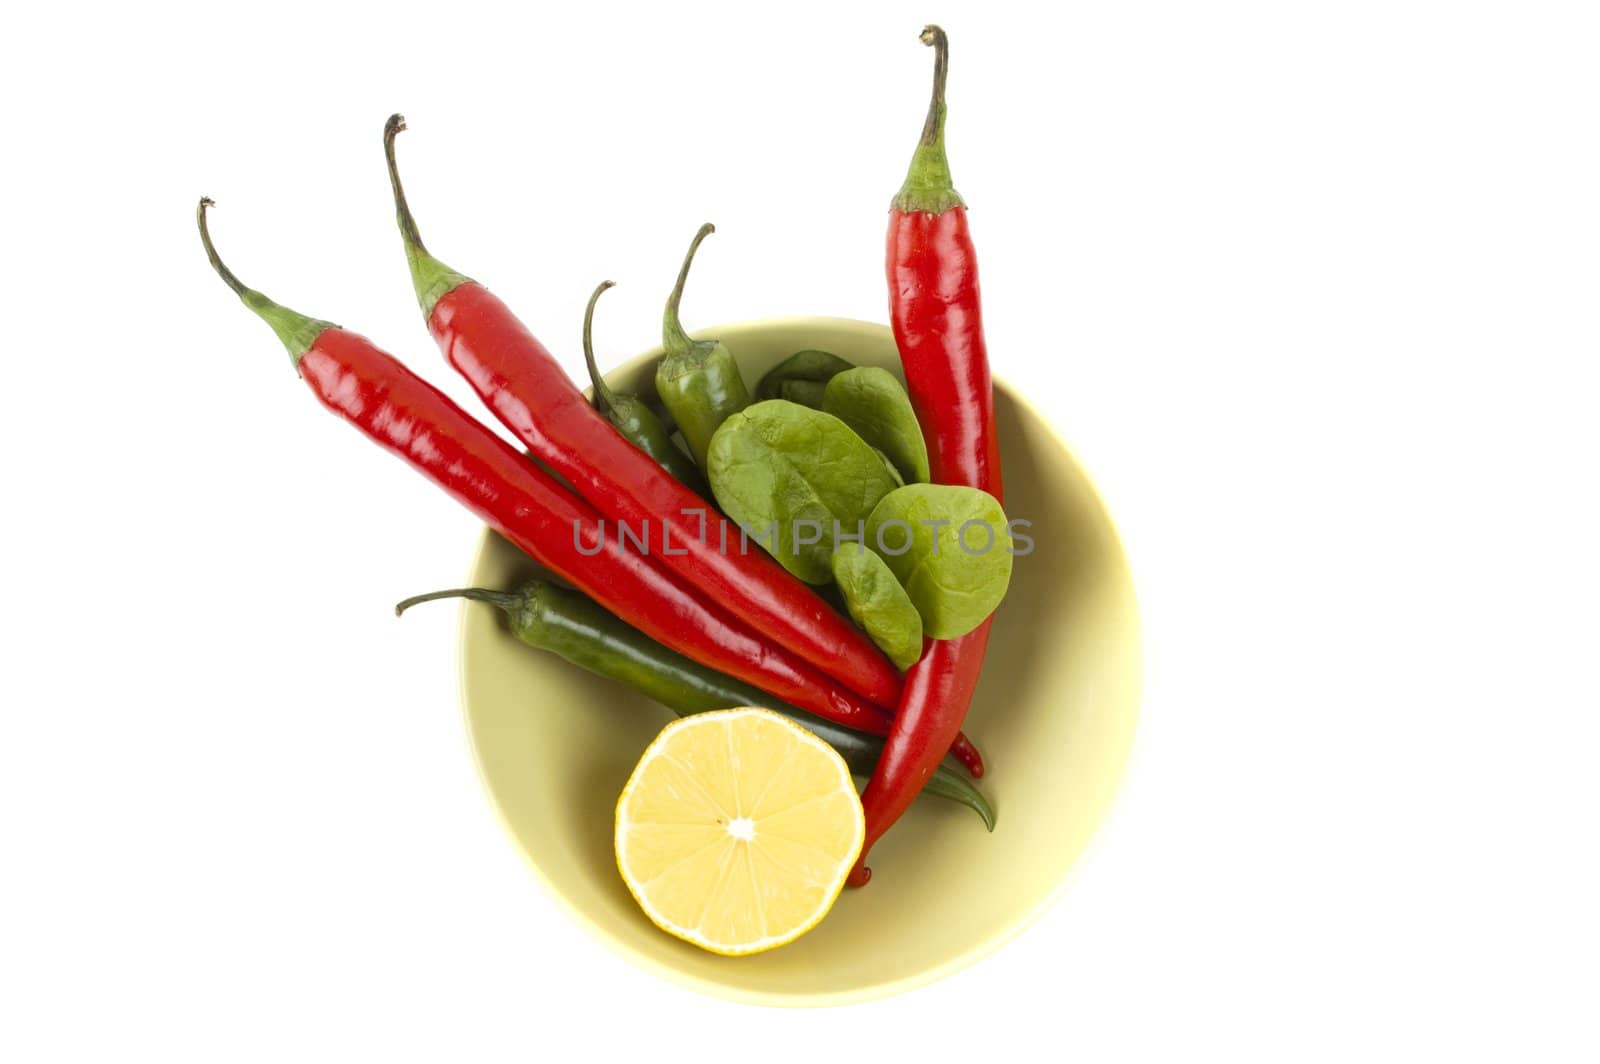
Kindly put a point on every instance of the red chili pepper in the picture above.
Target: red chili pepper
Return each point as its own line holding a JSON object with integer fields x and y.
{"x": 528, "y": 391}
{"x": 938, "y": 326}
{"x": 409, "y": 417}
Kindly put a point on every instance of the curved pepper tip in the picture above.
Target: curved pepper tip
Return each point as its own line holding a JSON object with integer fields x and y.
{"x": 860, "y": 875}
{"x": 968, "y": 755}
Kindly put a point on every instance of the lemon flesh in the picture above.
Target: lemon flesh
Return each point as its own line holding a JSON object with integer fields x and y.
{"x": 737, "y": 829}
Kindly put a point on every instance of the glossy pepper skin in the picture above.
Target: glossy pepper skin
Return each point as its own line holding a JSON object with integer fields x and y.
{"x": 525, "y": 387}
{"x": 938, "y": 325}
{"x": 698, "y": 380}
{"x": 409, "y": 417}
{"x": 564, "y": 622}
{"x": 632, "y": 417}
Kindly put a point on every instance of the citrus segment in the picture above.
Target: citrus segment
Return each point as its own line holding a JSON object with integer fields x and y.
{"x": 737, "y": 829}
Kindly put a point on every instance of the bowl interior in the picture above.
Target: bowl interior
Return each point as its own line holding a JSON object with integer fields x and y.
{"x": 1054, "y": 716}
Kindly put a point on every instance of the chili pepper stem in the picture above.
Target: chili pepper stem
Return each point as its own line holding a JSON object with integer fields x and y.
{"x": 604, "y": 399}
{"x": 432, "y": 279}
{"x": 505, "y": 600}
{"x": 928, "y": 186}
{"x": 674, "y": 339}
{"x": 297, "y": 331}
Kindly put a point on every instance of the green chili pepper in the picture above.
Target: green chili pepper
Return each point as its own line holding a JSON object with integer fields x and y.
{"x": 633, "y": 418}
{"x": 664, "y": 416}
{"x": 818, "y": 367}
{"x": 697, "y": 380}
{"x": 564, "y": 622}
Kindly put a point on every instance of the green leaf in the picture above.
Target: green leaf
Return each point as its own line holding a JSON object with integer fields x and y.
{"x": 806, "y": 393}
{"x": 873, "y": 403}
{"x": 792, "y": 471}
{"x": 899, "y": 481}
{"x": 818, "y": 366}
{"x": 878, "y": 603}
{"x": 950, "y": 549}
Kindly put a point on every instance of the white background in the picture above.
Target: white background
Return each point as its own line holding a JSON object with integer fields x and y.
{"x": 1311, "y": 289}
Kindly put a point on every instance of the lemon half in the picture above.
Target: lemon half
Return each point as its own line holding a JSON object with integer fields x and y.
{"x": 737, "y": 829}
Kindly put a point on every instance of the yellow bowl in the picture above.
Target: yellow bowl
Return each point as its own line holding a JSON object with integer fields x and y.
{"x": 1054, "y": 716}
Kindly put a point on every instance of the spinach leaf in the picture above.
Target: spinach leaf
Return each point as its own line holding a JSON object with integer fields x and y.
{"x": 786, "y": 473}
{"x": 817, "y": 366}
{"x": 879, "y": 604}
{"x": 899, "y": 481}
{"x": 950, "y": 549}
{"x": 873, "y": 403}
{"x": 806, "y": 393}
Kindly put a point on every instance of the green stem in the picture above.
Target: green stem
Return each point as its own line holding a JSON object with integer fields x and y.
{"x": 408, "y": 225}
{"x": 503, "y": 599}
{"x": 933, "y": 125}
{"x": 673, "y": 338}
{"x": 928, "y": 186}
{"x": 297, "y": 331}
{"x": 604, "y": 400}
{"x": 432, "y": 279}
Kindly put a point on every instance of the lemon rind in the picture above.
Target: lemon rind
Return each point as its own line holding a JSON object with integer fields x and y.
{"x": 693, "y": 936}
